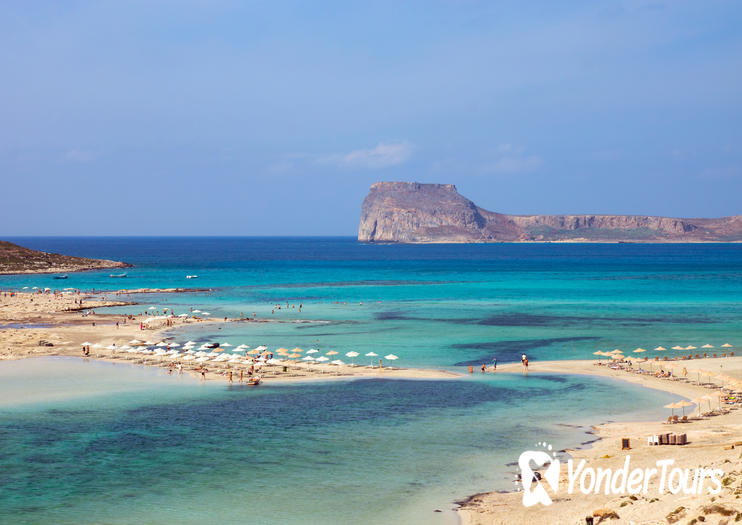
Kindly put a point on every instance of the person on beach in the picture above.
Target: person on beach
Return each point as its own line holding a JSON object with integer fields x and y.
{"x": 242, "y": 374}
{"x": 483, "y": 368}
{"x": 525, "y": 365}
{"x": 494, "y": 364}
{"x": 230, "y": 376}
{"x": 203, "y": 373}
{"x": 471, "y": 368}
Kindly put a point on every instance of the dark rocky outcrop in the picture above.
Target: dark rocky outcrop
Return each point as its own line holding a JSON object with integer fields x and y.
{"x": 411, "y": 212}
{"x": 17, "y": 259}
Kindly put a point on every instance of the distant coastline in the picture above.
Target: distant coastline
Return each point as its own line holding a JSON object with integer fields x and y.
{"x": 15, "y": 259}
{"x": 415, "y": 213}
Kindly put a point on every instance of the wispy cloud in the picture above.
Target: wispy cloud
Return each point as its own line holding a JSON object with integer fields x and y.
{"x": 510, "y": 159}
{"x": 384, "y": 155}
{"x": 80, "y": 156}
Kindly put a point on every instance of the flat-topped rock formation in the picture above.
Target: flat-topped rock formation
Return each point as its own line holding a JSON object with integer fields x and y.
{"x": 411, "y": 212}
{"x": 17, "y": 259}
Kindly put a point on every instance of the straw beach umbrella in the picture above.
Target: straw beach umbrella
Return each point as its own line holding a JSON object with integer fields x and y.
{"x": 682, "y": 404}
{"x": 678, "y": 347}
{"x": 639, "y": 350}
{"x": 660, "y": 349}
{"x": 726, "y": 345}
{"x": 331, "y": 352}
{"x": 707, "y": 346}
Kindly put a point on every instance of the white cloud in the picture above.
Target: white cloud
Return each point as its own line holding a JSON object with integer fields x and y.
{"x": 384, "y": 155}
{"x": 81, "y": 156}
{"x": 510, "y": 159}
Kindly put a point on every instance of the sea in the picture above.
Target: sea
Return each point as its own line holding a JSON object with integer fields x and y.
{"x": 91, "y": 442}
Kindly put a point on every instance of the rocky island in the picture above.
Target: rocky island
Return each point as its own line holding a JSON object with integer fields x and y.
{"x": 411, "y": 212}
{"x": 17, "y": 259}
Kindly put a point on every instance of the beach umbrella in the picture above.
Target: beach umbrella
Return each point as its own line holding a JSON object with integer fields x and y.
{"x": 297, "y": 350}
{"x": 672, "y": 406}
{"x": 322, "y": 359}
{"x": 97, "y": 345}
{"x": 151, "y": 308}
{"x": 391, "y": 357}
{"x": 690, "y": 347}
{"x": 225, "y": 345}
{"x": 639, "y": 350}
{"x": 205, "y": 313}
{"x": 677, "y": 347}
{"x": 331, "y": 352}
{"x": 682, "y": 404}
{"x": 86, "y": 343}
{"x": 261, "y": 348}
{"x": 308, "y": 358}
{"x": 294, "y": 356}
{"x": 372, "y": 354}
{"x": 312, "y": 351}
{"x": 174, "y": 345}
{"x": 203, "y": 359}
{"x": 707, "y": 346}
{"x": 337, "y": 362}
{"x": 188, "y": 357}
{"x": 352, "y": 355}
{"x": 726, "y": 345}
{"x": 660, "y": 348}
{"x": 599, "y": 352}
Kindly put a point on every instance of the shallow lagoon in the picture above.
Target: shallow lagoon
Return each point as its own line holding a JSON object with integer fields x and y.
{"x": 136, "y": 445}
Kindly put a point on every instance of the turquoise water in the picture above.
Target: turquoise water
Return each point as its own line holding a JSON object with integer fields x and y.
{"x": 120, "y": 445}
{"x": 439, "y": 305}
{"x": 132, "y": 445}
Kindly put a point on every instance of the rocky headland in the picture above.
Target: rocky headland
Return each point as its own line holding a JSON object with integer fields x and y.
{"x": 17, "y": 259}
{"x": 411, "y": 212}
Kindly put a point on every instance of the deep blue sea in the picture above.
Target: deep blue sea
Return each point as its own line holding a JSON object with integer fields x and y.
{"x": 126, "y": 445}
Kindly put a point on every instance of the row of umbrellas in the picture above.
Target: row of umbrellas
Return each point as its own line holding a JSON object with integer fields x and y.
{"x": 707, "y": 398}
{"x": 138, "y": 346}
{"x": 618, "y": 353}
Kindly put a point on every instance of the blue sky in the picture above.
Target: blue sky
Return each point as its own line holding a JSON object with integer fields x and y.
{"x": 274, "y": 118}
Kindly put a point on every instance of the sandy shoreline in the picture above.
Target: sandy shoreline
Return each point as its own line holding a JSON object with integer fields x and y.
{"x": 30, "y": 321}
{"x": 710, "y": 441}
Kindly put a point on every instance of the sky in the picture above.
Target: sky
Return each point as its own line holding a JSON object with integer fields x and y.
{"x": 273, "y": 118}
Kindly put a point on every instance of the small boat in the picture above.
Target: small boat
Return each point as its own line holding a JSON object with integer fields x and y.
{"x": 191, "y": 276}
{"x": 253, "y": 381}
{"x": 60, "y": 276}
{"x": 118, "y": 275}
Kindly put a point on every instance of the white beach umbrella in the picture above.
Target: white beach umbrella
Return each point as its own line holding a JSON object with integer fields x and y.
{"x": 690, "y": 347}
{"x": 660, "y": 348}
{"x": 308, "y": 358}
{"x": 337, "y": 362}
{"x": 391, "y": 357}
{"x": 707, "y": 346}
{"x": 371, "y": 354}
{"x": 225, "y": 345}
{"x": 86, "y": 343}
{"x": 678, "y": 347}
{"x": 312, "y": 351}
{"x": 202, "y": 359}
{"x": 322, "y": 359}
{"x": 352, "y": 354}
{"x": 205, "y": 313}
{"x": 151, "y": 308}
{"x": 261, "y": 348}
{"x": 189, "y": 357}
{"x": 174, "y": 345}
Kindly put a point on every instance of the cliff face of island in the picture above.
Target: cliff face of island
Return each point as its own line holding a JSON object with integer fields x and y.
{"x": 411, "y": 212}
{"x": 17, "y": 259}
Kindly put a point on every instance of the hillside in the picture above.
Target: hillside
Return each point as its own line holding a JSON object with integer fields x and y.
{"x": 411, "y": 212}
{"x": 17, "y": 259}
